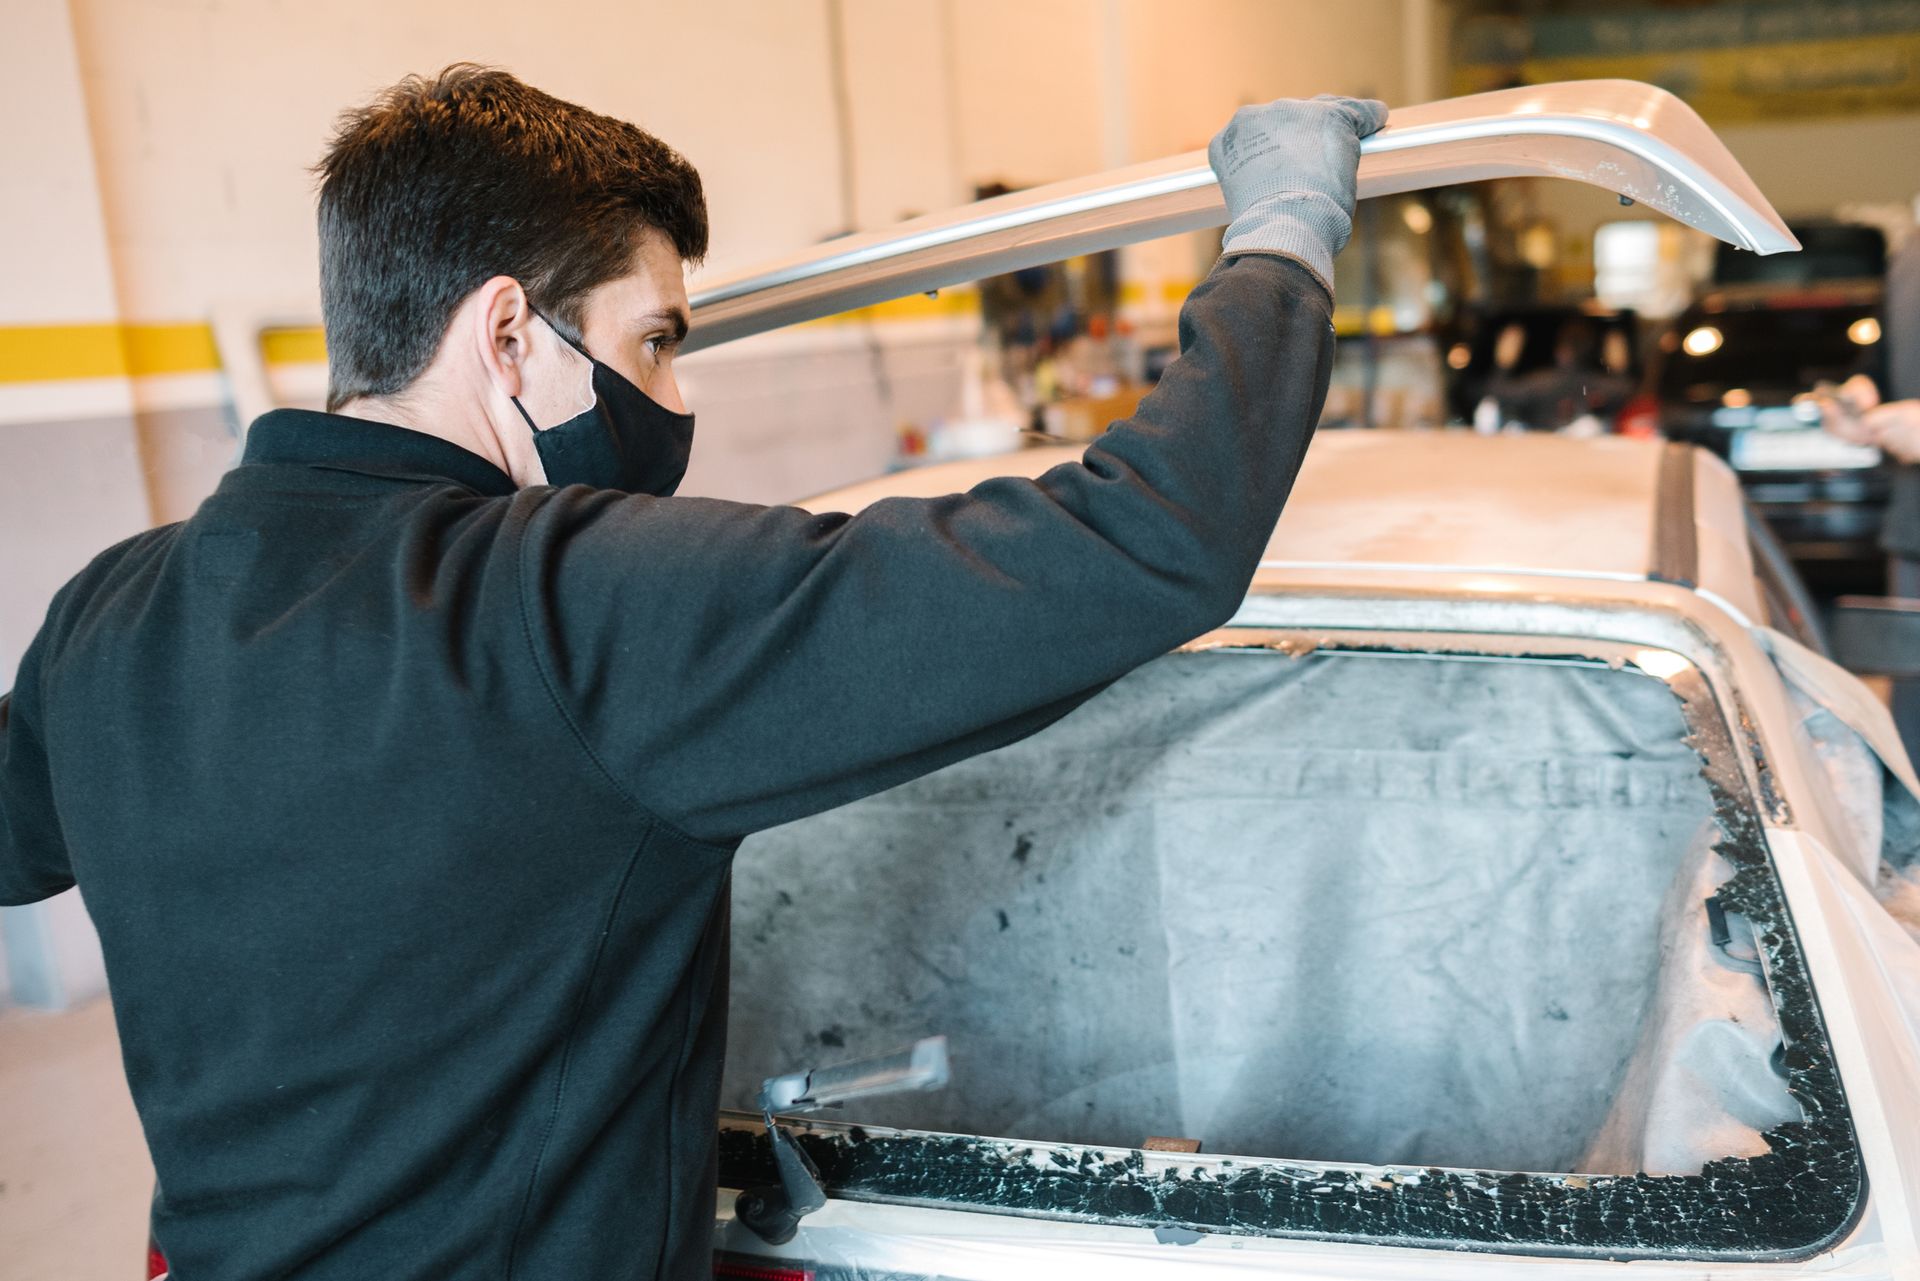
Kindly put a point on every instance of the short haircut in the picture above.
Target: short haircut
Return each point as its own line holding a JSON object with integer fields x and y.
{"x": 441, "y": 184}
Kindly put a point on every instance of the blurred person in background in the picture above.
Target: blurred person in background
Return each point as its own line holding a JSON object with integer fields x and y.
{"x": 1882, "y": 409}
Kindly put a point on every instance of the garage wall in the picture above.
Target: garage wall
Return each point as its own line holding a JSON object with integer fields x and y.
{"x": 1807, "y": 167}
{"x": 189, "y": 125}
{"x": 69, "y": 467}
{"x": 1185, "y": 79}
{"x": 206, "y": 115}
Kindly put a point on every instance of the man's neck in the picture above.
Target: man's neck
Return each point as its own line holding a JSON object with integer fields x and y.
{"x": 430, "y": 415}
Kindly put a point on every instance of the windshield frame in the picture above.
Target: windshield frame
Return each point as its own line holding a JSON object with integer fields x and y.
{"x": 1736, "y": 1208}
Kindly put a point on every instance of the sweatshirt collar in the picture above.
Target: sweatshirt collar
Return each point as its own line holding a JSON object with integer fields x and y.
{"x": 304, "y": 437}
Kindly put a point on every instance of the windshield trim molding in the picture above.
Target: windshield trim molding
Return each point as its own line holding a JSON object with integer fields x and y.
{"x": 1633, "y": 139}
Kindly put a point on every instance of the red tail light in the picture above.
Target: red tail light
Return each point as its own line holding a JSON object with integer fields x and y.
{"x": 1640, "y": 417}
{"x": 156, "y": 1262}
{"x": 746, "y": 1270}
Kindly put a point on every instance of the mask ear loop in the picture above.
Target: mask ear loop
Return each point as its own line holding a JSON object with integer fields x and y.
{"x": 561, "y": 334}
{"x": 524, "y": 414}
{"x": 557, "y": 330}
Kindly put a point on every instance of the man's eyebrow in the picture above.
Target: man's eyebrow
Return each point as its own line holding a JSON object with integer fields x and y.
{"x": 674, "y": 318}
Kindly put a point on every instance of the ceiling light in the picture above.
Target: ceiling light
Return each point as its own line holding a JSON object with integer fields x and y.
{"x": 1703, "y": 341}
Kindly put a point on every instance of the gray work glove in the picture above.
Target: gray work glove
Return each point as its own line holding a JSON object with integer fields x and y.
{"x": 1288, "y": 171}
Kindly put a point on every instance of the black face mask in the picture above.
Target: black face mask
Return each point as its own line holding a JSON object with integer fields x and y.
{"x": 627, "y": 441}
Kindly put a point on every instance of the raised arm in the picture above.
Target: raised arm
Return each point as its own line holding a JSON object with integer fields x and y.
{"x": 736, "y": 667}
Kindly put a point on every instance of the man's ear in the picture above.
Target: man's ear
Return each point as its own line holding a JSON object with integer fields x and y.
{"x": 501, "y": 331}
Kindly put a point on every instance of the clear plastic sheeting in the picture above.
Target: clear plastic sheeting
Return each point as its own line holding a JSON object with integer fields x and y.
{"x": 1880, "y": 817}
{"x": 1702, "y": 1084}
{"x": 1380, "y": 908}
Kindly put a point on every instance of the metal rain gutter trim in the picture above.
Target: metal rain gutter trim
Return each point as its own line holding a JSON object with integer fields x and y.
{"x": 1630, "y": 138}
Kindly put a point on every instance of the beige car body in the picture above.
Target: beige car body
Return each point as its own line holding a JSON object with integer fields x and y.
{"x": 1530, "y": 544}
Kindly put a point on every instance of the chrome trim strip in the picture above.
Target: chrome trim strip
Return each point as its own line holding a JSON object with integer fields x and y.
{"x": 1629, "y": 138}
{"x": 1415, "y": 567}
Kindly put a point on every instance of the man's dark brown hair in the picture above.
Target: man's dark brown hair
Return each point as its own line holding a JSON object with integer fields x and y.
{"x": 440, "y": 184}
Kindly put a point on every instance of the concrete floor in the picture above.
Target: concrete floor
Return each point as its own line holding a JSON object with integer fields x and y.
{"x": 74, "y": 1174}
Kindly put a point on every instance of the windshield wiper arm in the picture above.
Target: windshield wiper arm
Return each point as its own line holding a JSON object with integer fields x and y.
{"x": 774, "y": 1212}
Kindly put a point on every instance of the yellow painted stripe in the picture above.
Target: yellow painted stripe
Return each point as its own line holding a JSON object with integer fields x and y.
{"x": 63, "y": 353}
{"x": 169, "y": 349}
{"x": 960, "y": 301}
{"x": 1352, "y": 321}
{"x": 306, "y": 346}
{"x": 60, "y": 353}
{"x": 54, "y": 353}
{"x": 1134, "y": 292}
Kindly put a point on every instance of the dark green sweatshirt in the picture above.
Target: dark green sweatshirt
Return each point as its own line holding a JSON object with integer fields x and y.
{"x": 404, "y": 801}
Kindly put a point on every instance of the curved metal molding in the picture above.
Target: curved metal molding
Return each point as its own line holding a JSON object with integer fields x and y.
{"x": 1630, "y": 138}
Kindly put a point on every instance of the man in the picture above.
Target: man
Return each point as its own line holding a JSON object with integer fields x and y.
{"x": 1860, "y": 414}
{"x": 403, "y": 779}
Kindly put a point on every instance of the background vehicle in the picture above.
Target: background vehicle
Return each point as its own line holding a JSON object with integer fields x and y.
{"x": 1726, "y": 376}
{"x": 1543, "y": 367}
{"x": 1726, "y": 373}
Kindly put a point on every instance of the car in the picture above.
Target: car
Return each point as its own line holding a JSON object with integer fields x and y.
{"x": 1544, "y": 367}
{"x": 1514, "y": 874}
{"x": 1731, "y": 373}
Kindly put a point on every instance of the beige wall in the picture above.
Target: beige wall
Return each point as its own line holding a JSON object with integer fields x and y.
{"x": 63, "y": 494}
{"x": 1186, "y": 74}
{"x": 205, "y": 116}
{"x": 1808, "y": 167}
{"x": 53, "y": 258}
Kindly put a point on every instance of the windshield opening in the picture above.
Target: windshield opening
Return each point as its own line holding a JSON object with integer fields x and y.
{"x": 1348, "y": 909}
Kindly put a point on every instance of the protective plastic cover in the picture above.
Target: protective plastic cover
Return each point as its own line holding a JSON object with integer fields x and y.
{"x": 1385, "y": 909}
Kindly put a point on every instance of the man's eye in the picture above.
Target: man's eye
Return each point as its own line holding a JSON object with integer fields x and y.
{"x": 661, "y": 344}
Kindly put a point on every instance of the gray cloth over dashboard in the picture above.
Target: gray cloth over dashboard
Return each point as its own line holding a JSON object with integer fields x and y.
{"x": 1347, "y": 907}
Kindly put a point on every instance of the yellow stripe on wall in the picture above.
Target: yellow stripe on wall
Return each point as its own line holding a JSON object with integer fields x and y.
{"x": 1133, "y": 292}
{"x": 52, "y": 353}
{"x": 62, "y": 353}
{"x": 958, "y": 301}
{"x": 169, "y": 349}
{"x": 306, "y": 346}
{"x": 59, "y": 353}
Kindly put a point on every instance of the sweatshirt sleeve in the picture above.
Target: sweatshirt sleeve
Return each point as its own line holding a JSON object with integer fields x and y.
{"x": 734, "y": 667}
{"x": 33, "y": 853}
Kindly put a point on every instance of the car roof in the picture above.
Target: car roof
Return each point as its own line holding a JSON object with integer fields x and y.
{"x": 1453, "y": 500}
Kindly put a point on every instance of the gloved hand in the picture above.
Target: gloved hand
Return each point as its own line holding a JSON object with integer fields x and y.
{"x": 1288, "y": 171}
